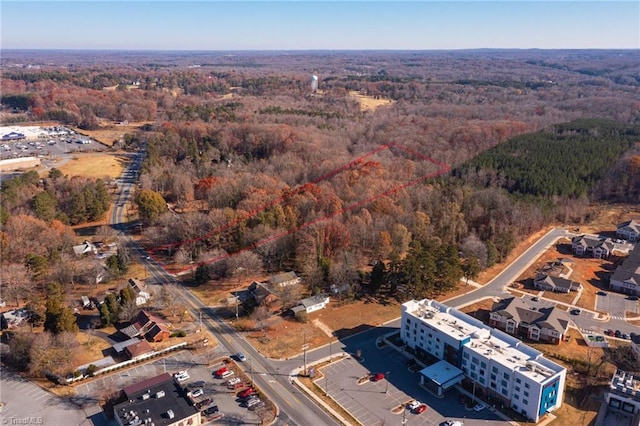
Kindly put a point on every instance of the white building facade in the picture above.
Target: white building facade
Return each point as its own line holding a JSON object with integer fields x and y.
{"x": 499, "y": 365}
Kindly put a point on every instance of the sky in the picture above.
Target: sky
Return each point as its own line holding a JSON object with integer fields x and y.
{"x": 312, "y": 25}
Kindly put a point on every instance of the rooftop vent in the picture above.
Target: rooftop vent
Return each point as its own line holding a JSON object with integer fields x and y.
{"x": 160, "y": 394}
{"x": 145, "y": 396}
{"x": 170, "y": 414}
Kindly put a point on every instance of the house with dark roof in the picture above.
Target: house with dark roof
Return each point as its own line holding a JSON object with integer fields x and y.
{"x": 592, "y": 246}
{"x": 626, "y": 278}
{"x": 156, "y": 401}
{"x": 516, "y": 317}
{"x": 151, "y": 327}
{"x": 629, "y": 230}
{"x": 556, "y": 284}
{"x": 262, "y": 294}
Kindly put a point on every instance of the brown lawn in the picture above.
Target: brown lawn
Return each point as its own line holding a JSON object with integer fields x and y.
{"x": 369, "y": 103}
{"x": 479, "y": 310}
{"x": 94, "y": 165}
{"x": 91, "y": 347}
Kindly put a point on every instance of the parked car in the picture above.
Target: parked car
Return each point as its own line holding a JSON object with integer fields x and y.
{"x": 203, "y": 403}
{"x": 220, "y": 371}
{"x": 241, "y": 357}
{"x": 575, "y": 311}
{"x": 233, "y": 381}
{"x": 479, "y": 406}
{"x": 617, "y": 333}
{"x": 376, "y": 377}
{"x": 609, "y": 332}
{"x": 226, "y": 374}
{"x": 211, "y": 410}
{"x": 601, "y": 293}
{"x": 632, "y": 297}
{"x": 256, "y": 406}
{"x": 535, "y": 298}
{"x": 196, "y": 393}
{"x": 253, "y": 401}
{"x": 235, "y": 386}
{"x": 413, "y": 405}
{"x": 245, "y": 393}
{"x": 625, "y": 336}
{"x": 198, "y": 384}
{"x": 453, "y": 423}
{"x": 420, "y": 409}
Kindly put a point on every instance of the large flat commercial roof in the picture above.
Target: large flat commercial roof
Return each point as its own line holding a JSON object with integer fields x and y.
{"x": 442, "y": 372}
{"x": 488, "y": 342}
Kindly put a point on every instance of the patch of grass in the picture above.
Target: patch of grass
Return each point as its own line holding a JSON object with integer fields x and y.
{"x": 103, "y": 166}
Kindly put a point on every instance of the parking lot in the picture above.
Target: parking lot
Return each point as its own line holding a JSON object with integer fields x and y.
{"x": 616, "y": 304}
{"x": 377, "y": 403}
{"x": 214, "y": 388}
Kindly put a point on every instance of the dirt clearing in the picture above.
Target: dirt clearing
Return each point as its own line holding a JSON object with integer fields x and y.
{"x": 92, "y": 165}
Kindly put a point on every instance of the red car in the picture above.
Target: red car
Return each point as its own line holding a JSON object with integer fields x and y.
{"x": 220, "y": 372}
{"x": 420, "y": 409}
{"x": 376, "y": 377}
{"x": 245, "y": 393}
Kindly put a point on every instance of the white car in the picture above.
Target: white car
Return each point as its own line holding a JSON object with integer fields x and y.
{"x": 182, "y": 376}
{"x": 196, "y": 393}
{"x": 234, "y": 380}
{"x": 413, "y": 404}
{"x": 479, "y": 406}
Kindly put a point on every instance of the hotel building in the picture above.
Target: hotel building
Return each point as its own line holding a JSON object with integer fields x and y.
{"x": 499, "y": 365}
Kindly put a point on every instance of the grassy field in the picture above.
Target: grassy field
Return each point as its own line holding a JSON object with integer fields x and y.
{"x": 369, "y": 103}
{"x": 94, "y": 165}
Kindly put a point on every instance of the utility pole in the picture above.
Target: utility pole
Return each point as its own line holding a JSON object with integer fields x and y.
{"x": 200, "y": 329}
{"x": 236, "y": 305}
{"x": 386, "y": 388}
{"x": 251, "y": 370}
{"x": 304, "y": 348}
{"x": 330, "y": 354}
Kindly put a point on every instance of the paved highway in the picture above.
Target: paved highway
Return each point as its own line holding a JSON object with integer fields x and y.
{"x": 271, "y": 376}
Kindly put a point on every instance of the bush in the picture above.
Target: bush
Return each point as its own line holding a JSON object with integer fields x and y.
{"x": 91, "y": 369}
{"x": 302, "y": 317}
{"x": 179, "y": 333}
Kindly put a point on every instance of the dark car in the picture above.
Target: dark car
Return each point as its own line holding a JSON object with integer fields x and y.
{"x": 535, "y": 298}
{"x": 203, "y": 403}
{"x": 256, "y": 406}
{"x": 632, "y": 297}
{"x": 601, "y": 293}
{"x": 198, "y": 384}
{"x": 575, "y": 311}
{"x": 376, "y": 377}
{"x": 617, "y": 333}
{"x": 609, "y": 332}
{"x": 211, "y": 410}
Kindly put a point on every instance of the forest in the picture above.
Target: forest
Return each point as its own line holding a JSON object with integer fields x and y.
{"x": 260, "y": 172}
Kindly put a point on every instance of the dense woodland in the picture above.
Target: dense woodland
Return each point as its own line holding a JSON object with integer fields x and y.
{"x": 261, "y": 173}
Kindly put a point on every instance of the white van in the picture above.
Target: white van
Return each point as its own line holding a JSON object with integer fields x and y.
{"x": 226, "y": 374}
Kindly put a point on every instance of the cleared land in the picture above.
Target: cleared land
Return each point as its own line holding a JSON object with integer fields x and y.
{"x": 369, "y": 103}
{"x": 94, "y": 165}
{"x": 111, "y": 133}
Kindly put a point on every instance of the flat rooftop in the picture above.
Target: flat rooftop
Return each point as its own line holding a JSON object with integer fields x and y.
{"x": 151, "y": 400}
{"x": 626, "y": 383}
{"x": 491, "y": 343}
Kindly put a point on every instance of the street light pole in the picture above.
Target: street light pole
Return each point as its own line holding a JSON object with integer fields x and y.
{"x": 386, "y": 388}
{"x": 304, "y": 348}
{"x": 236, "y": 305}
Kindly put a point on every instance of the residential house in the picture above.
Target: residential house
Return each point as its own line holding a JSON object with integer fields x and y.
{"x": 311, "y": 304}
{"x": 140, "y": 288}
{"x": 84, "y": 248}
{"x": 136, "y": 350}
{"x": 149, "y": 326}
{"x": 516, "y": 317}
{"x": 284, "y": 279}
{"x": 626, "y": 278}
{"x": 556, "y": 284}
{"x": 592, "y": 246}
{"x": 629, "y": 230}
{"x": 262, "y": 295}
